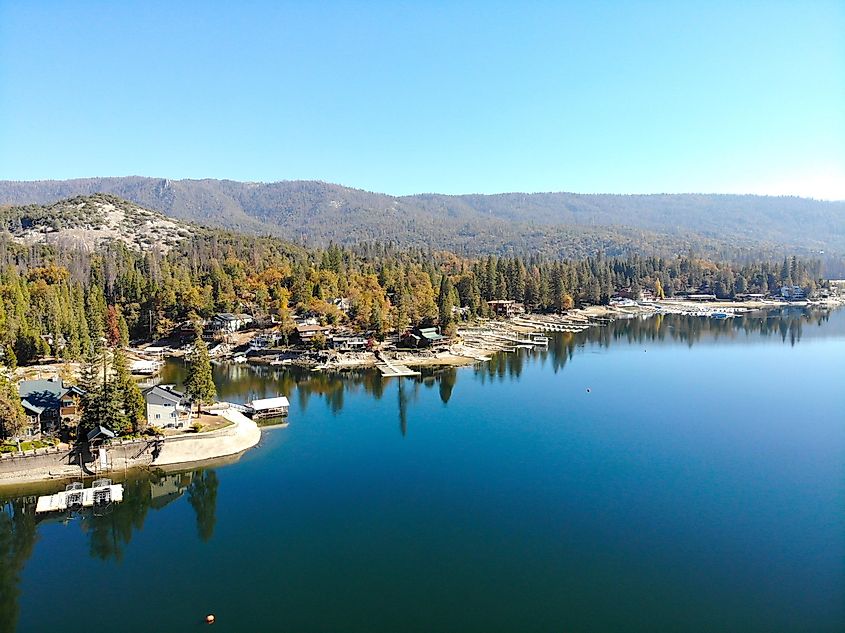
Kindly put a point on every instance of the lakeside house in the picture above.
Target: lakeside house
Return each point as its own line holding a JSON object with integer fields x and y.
{"x": 167, "y": 408}
{"x": 227, "y": 323}
{"x": 793, "y": 293}
{"x": 49, "y": 403}
{"x": 506, "y": 307}
{"x": 421, "y": 337}
{"x": 306, "y": 332}
{"x": 349, "y": 343}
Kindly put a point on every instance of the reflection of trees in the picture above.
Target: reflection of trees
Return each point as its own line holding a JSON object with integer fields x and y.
{"x": 109, "y": 534}
{"x": 17, "y": 539}
{"x": 241, "y": 383}
{"x": 446, "y": 379}
{"x": 202, "y": 495}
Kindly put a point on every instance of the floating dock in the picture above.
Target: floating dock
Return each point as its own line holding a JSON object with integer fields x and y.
{"x": 78, "y": 497}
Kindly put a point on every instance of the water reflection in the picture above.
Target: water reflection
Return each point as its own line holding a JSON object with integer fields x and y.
{"x": 242, "y": 383}
{"x": 108, "y": 536}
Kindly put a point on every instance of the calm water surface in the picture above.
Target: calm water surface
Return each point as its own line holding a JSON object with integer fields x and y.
{"x": 698, "y": 486}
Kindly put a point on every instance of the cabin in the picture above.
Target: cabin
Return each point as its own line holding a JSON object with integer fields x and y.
{"x": 306, "y": 332}
{"x": 506, "y": 307}
{"x": 167, "y": 408}
{"x": 349, "y": 343}
{"x": 226, "y": 322}
{"x": 270, "y": 407}
{"x": 793, "y": 293}
{"x": 49, "y": 404}
{"x": 700, "y": 296}
{"x": 423, "y": 337}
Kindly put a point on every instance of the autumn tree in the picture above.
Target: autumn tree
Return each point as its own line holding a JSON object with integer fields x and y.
{"x": 13, "y": 419}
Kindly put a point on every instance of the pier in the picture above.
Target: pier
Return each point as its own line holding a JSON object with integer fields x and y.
{"x": 390, "y": 368}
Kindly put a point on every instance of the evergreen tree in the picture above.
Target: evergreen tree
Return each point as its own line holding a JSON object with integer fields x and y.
{"x": 199, "y": 384}
{"x": 10, "y": 359}
{"x": 129, "y": 394}
{"x": 444, "y": 304}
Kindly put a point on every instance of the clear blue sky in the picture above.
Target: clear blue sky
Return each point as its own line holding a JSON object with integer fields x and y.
{"x": 416, "y": 97}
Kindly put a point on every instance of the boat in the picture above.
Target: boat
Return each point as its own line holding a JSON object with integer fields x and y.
{"x": 240, "y": 358}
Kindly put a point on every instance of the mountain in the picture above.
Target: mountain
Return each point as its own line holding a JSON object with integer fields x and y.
{"x": 90, "y": 221}
{"x": 557, "y": 224}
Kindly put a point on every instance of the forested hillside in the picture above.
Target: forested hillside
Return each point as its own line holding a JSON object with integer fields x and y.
{"x": 60, "y": 299}
{"x": 740, "y": 228}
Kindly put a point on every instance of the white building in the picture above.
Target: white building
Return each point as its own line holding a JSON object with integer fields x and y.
{"x": 167, "y": 408}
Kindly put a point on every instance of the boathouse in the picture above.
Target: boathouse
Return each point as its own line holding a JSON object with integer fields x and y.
{"x": 270, "y": 407}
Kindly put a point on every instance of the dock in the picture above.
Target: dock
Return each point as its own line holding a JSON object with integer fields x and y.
{"x": 76, "y": 497}
{"x": 390, "y": 368}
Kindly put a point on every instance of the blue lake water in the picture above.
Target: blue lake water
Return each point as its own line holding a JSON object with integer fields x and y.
{"x": 699, "y": 485}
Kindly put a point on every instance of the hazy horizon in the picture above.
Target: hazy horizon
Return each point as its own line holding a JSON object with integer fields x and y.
{"x": 435, "y": 193}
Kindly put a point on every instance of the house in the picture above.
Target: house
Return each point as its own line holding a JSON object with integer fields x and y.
{"x": 49, "y": 403}
{"x": 700, "y": 296}
{"x": 423, "y": 337}
{"x": 308, "y": 332}
{"x": 506, "y": 307}
{"x": 349, "y": 343}
{"x": 226, "y": 322}
{"x": 167, "y": 408}
{"x": 342, "y": 303}
{"x": 793, "y": 293}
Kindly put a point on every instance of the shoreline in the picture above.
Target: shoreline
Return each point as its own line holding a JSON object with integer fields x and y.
{"x": 488, "y": 337}
{"x": 171, "y": 452}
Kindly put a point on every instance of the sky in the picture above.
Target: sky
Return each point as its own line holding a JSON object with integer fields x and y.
{"x": 449, "y": 97}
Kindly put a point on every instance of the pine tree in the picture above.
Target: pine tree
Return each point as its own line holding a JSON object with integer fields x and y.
{"x": 199, "y": 385}
{"x": 131, "y": 400}
{"x": 444, "y": 304}
{"x": 10, "y": 359}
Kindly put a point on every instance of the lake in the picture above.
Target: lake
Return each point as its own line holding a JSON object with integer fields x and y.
{"x": 669, "y": 474}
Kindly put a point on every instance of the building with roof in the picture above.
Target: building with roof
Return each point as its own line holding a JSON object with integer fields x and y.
{"x": 226, "y": 322}
{"x": 349, "y": 343}
{"x": 270, "y": 407}
{"x": 307, "y": 332}
{"x": 167, "y": 408}
{"x": 49, "y": 403}
{"x": 506, "y": 307}
{"x": 423, "y": 337}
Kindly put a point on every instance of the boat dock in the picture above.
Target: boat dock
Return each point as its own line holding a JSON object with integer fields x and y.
{"x": 75, "y": 497}
{"x": 390, "y": 368}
